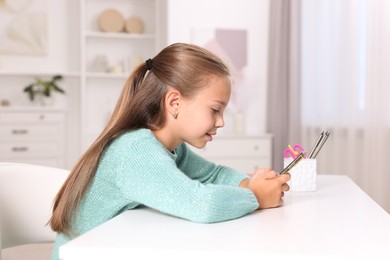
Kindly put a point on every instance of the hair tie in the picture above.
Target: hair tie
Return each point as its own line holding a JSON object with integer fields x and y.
{"x": 149, "y": 64}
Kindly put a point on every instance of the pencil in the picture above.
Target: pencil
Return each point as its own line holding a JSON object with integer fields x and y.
{"x": 321, "y": 144}
{"x": 317, "y": 143}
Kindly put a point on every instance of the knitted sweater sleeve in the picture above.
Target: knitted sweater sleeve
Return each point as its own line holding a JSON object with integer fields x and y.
{"x": 147, "y": 174}
{"x": 205, "y": 171}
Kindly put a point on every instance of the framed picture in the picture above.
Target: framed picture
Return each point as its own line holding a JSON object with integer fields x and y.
{"x": 23, "y": 27}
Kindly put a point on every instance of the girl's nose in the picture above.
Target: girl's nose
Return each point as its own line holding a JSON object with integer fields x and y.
{"x": 220, "y": 122}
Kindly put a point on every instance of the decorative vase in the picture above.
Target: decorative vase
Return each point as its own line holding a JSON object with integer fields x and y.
{"x": 44, "y": 101}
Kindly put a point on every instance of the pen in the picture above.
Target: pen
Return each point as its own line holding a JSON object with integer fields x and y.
{"x": 321, "y": 144}
{"x": 316, "y": 145}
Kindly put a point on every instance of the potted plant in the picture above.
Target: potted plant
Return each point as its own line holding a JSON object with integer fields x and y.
{"x": 42, "y": 89}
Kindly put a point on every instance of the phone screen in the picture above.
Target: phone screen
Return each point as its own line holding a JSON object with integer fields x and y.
{"x": 293, "y": 163}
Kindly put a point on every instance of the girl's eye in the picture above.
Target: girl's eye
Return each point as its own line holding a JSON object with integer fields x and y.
{"x": 215, "y": 110}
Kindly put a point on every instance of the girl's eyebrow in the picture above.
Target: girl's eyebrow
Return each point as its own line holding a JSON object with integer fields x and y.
{"x": 223, "y": 103}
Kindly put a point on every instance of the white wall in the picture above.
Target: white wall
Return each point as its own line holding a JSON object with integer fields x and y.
{"x": 250, "y": 15}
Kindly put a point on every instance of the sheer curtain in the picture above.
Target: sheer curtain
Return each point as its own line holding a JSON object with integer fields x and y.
{"x": 283, "y": 96}
{"x": 345, "y": 88}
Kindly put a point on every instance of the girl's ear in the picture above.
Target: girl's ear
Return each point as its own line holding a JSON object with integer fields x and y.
{"x": 172, "y": 101}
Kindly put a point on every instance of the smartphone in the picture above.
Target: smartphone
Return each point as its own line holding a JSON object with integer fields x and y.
{"x": 293, "y": 163}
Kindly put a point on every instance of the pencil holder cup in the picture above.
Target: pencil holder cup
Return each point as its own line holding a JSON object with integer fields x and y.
{"x": 303, "y": 175}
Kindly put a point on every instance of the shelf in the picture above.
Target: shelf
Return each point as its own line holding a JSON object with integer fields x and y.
{"x": 102, "y": 52}
{"x": 128, "y": 36}
{"x": 38, "y": 73}
{"x": 31, "y": 109}
{"x": 107, "y": 75}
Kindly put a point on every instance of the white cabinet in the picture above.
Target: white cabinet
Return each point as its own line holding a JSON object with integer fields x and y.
{"x": 244, "y": 153}
{"x": 107, "y": 58}
{"x": 75, "y": 45}
{"x": 32, "y": 136}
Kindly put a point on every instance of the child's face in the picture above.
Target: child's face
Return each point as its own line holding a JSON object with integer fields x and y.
{"x": 201, "y": 116}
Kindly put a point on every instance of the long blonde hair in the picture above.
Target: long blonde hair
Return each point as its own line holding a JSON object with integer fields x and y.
{"x": 140, "y": 105}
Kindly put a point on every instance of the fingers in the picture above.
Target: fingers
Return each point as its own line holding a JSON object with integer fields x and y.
{"x": 268, "y": 173}
{"x": 271, "y": 176}
{"x": 269, "y": 187}
{"x": 284, "y": 178}
{"x": 260, "y": 171}
{"x": 264, "y": 173}
{"x": 285, "y": 187}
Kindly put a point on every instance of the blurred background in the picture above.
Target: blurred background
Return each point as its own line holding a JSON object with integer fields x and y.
{"x": 299, "y": 67}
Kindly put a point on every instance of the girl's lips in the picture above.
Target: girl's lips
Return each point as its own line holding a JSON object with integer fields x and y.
{"x": 209, "y": 137}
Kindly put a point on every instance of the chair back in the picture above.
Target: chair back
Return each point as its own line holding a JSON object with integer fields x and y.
{"x": 26, "y": 198}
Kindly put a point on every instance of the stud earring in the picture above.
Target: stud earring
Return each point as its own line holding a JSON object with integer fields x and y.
{"x": 175, "y": 115}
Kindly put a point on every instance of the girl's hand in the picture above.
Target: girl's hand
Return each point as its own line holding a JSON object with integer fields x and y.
{"x": 268, "y": 187}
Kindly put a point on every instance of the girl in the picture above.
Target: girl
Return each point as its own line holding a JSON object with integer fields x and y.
{"x": 141, "y": 157}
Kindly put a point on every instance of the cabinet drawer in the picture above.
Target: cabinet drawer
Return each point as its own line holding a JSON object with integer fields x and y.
{"x": 17, "y": 149}
{"x": 17, "y": 131}
{"x": 32, "y": 136}
{"x": 31, "y": 117}
{"x": 236, "y": 148}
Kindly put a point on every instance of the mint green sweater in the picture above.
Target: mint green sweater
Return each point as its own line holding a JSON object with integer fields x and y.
{"x": 136, "y": 169}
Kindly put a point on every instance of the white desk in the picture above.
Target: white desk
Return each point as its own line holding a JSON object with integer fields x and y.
{"x": 338, "y": 221}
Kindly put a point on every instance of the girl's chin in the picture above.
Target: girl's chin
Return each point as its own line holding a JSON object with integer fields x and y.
{"x": 200, "y": 143}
